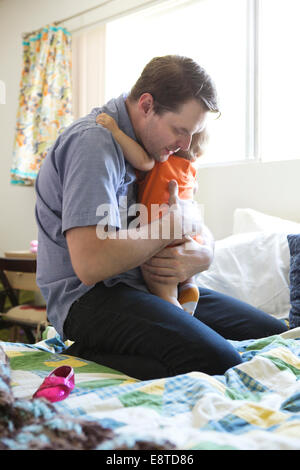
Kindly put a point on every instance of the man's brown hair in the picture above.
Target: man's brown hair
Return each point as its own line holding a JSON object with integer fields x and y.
{"x": 173, "y": 80}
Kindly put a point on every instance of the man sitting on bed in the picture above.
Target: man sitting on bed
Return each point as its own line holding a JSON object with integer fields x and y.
{"x": 89, "y": 257}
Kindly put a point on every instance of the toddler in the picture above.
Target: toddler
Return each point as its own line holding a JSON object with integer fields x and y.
{"x": 153, "y": 189}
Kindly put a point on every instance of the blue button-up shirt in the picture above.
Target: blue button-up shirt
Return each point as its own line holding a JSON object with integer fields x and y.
{"x": 84, "y": 170}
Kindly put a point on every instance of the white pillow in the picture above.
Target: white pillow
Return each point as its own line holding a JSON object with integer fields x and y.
{"x": 252, "y": 267}
{"x": 249, "y": 220}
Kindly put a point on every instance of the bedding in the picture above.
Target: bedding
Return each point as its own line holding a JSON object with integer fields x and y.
{"x": 294, "y": 245}
{"x": 239, "y": 269}
{"x": 254, "y": 405}
{"x": 250, "y": 220}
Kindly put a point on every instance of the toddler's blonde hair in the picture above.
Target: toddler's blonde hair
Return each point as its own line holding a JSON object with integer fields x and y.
{"x": 197, "y": 147}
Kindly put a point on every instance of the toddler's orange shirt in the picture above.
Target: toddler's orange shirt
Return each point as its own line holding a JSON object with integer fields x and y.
{"x": 153, "y": 189}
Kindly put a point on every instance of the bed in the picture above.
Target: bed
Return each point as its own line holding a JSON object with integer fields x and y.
{"x": 253, "y": 406}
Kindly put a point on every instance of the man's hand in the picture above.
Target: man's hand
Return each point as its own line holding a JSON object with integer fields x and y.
{"x": 187, "y": 219}
{"x": 175, "y": 264}
{"x": 185, "y": 257}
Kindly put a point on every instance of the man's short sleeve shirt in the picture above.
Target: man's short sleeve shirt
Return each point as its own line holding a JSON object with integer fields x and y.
{"x": 83, "y": 174}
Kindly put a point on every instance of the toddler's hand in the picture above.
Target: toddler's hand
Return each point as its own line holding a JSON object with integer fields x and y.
{"x": 107, "y": 121}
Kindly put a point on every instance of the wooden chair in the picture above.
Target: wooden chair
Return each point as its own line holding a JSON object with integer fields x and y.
{"x": 20, "y": 274}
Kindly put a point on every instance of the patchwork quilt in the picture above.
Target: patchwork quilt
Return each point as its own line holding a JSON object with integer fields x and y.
{"x": 254, "y": 405}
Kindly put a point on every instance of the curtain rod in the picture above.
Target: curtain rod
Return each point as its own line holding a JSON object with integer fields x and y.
{"x": 56, "y": 23}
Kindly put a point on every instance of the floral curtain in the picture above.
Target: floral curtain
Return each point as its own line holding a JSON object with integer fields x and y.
{"x": 45, "y": 100}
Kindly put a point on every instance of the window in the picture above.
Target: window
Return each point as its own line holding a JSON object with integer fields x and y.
{"x": 197, "y": 30}
{"x": 279, "y": 67}
{"x": 249, "y": 47}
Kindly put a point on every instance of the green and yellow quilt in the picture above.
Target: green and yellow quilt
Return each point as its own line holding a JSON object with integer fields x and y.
{"x": 255, "y": 405}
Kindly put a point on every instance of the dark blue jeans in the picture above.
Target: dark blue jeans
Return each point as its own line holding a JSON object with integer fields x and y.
{"x": 146, "y": 337}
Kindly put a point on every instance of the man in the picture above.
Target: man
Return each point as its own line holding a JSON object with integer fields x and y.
{"x": 93, "y": 286}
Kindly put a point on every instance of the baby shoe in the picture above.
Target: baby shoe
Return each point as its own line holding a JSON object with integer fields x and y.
{"x": 58, "y": 385}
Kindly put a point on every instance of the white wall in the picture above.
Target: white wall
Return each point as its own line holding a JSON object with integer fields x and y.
{"x": 272, "y": 188}
{"x": 268, "y": 187}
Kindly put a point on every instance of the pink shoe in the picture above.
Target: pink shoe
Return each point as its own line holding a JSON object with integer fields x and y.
{"x": 58, "y": 385}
